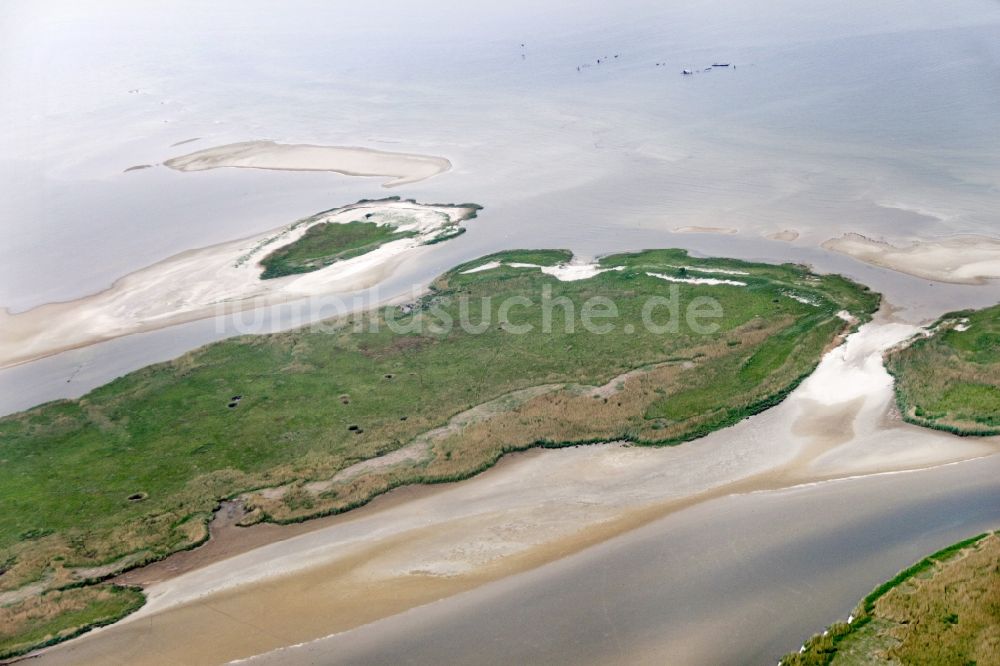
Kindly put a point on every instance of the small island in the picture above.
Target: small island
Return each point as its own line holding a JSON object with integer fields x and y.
{"x": 949, "y": 378}
{"x": 316, "y": 255}
{"x": 511, "y": 351}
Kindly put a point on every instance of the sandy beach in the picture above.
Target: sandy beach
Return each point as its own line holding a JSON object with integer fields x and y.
{"x": 400, "y": 168}
{"x": 960, "y": 260}
{"x": 529, "y": 510}
{"x": 220, "y": 279}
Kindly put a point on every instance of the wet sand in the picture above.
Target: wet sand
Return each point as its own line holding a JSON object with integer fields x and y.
{"x": 960, "y": 260}
{"x": 402, "y": 168}
{"x": 532, "y": 510}
{"x": 787, "y": 235}
{"x": 705, "y": 230}
{"x": 739, "y": 580}
{"x": 217, "y": 280}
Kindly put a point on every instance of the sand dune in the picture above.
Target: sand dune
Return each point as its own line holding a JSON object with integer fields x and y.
{"x": 402, "y": 168}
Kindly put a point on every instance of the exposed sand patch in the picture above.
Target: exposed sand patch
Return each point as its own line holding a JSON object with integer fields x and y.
{"x": 705, "y": 230}
{"x": 565, "y": 272}
{"x": 721, "y": 271}
{"x": 532, "y": 508}
{"x": 402, "y": 168}
{"x": 787, "y": 235}
{"x": 672, "y": 278}
{"x": 961, "y": 260}
{"x": 220, "y": 279}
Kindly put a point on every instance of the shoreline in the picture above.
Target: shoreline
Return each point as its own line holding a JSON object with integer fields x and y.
{"x": 411, "y": 550}
{"x": 967, "y": 259}
{"x": 221, "y": 279}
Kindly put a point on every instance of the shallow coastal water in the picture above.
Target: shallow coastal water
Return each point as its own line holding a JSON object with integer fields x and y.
{"x": 857, "y": 117}
{"x": 879, "y": 120}
{"x": 740, "y": 580}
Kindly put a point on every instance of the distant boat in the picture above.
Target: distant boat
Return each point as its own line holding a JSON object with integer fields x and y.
{"x": 721, "y": 64}
{"x": 686, "y": 72}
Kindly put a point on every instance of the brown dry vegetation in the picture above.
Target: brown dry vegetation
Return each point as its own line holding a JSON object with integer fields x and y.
{"x": 568, "y": 414}
{"x": 59, "y": 614}
{"x": 947, "y": 612}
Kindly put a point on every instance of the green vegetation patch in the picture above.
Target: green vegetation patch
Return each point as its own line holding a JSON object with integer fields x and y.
{"x": 326, "y": 243}
{"x": 945, "y": 609}
{"x": 951, "y": 379}
{"x": 134, "y": 468}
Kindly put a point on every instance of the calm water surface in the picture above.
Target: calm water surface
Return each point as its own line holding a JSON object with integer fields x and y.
{"x": 877, "y": 119}
{"x": 740, "y": 580}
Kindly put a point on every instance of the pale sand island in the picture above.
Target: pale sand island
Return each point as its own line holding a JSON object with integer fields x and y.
{"x": 787, "y": 235}
{"x": 960, "y": 260}
{"x": 222, "y": 278}
{"x": 533, "y": 508}
{"x": 401, "y": 168}
{"x": 705, "y": 230}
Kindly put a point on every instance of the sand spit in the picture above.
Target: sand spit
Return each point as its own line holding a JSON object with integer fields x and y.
{"x": 220, "y": 279}
{"x": 961, "y": 260}
{"x": 531, "y": 509}
{"x": 402, "y": 168}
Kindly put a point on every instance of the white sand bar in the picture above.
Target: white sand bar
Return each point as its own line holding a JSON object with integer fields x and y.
{"x": 402, "y": 168}
{"x": 221, "y": 279}
{"x": 962, "y": 260}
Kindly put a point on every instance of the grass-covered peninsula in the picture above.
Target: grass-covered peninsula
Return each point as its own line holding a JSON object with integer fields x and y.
{"x": 945, "y": 609}
{"x": 507, "y": 352}
{"x": 950, "y": 379}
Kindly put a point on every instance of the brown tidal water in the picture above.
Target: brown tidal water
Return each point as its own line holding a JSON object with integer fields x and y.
{"x": 738, "y": 580}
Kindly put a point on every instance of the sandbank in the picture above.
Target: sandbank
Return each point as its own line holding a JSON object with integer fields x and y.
{"x": 705, "y": 230}
{"x": 220, "y": 279}
{"x": 960, "y": 260}
{"x": 401, "y": 168}
{"x": 787, "y": 235}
